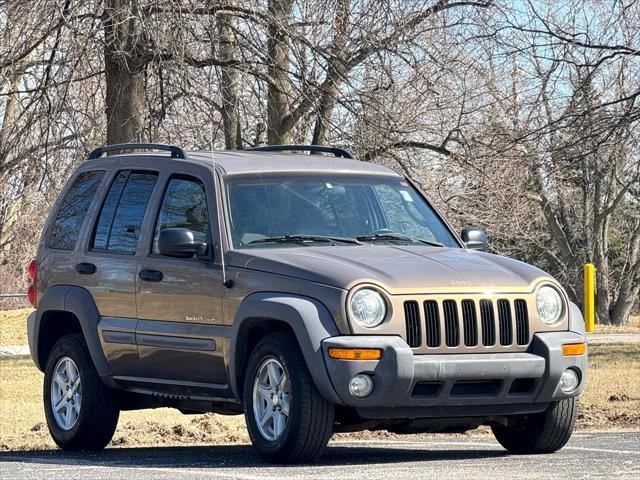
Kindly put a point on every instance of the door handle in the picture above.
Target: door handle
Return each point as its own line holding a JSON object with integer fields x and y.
{"x": 86, "y": 268}
{"x": 150, "y": 275}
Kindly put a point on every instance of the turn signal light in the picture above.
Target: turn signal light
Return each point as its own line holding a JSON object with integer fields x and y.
{"x": 355, "y": 353}
{"x": 573, "y": 349}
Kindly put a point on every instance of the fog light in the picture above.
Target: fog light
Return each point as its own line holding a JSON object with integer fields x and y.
{"x": 569, "y": 380}
{"x": 360, "y": 385}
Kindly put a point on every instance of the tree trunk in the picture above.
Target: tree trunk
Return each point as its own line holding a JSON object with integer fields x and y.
{"x": 600, "y": 247}
{"x": 335, "y": 69}
{"x": 279, "y": 91}
{"x": 323, "y": 118}
{"x": 230, "y": 84}
{"x": 622, "y": 308}
{"x": 125, "y": 67}
{"x": 629, "y": 282}
{"x": 11, "y": 110}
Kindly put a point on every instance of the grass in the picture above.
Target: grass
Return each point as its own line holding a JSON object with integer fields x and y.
{"x": 632, "y": 326}
{"x": 612, "y": 396}
{"x": 611, "y": 400}
{"x": 13, "y": 326}
{"x": 22, "y": 422}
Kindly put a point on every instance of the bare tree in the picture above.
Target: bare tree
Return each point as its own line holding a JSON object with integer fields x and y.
{"x": 520, "y": 117}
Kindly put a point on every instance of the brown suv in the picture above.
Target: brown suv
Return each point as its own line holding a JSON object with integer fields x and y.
{"x": 313, "y": 293}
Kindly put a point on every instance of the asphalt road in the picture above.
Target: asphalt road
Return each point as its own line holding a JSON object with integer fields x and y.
{"x": 588, "y": 455}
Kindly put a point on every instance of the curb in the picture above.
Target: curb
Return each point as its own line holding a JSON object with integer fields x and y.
{"x": 14, "y": 350}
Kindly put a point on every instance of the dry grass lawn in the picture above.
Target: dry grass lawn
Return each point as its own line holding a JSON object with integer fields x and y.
{"x": 22, "y": 422}
{"x": 632, "y": 326}
{"x": 612, "y": 396}
{"x": 13, "y": 326}
{"x": 611, "y": 400}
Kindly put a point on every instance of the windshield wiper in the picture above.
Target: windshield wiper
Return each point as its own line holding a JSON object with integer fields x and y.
{"x": 396, "y": 236}
{"x": 304, "y": 238}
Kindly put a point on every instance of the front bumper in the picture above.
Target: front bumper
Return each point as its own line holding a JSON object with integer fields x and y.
{"x": 454, "y": 385}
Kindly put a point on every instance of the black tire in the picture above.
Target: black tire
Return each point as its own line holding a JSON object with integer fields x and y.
{"x": 98, "y": 417}
{"x": 545, "y": 432}
{"x": 310, "y": 423}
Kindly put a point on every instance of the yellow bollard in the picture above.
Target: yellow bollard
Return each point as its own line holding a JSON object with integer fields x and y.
{"x": 589, "y": 297}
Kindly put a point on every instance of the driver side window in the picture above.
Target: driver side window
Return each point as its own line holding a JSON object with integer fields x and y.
{"x": 184, "y": 205}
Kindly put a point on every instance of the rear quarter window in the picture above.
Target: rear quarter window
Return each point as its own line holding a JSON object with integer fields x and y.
{"x": 123, "y": 210}
{"x": 73, "y": 209}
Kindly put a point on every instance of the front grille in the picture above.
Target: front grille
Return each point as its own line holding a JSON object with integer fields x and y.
{"x": 522, "y": 322}
{"x": 412, "y": 320}
{"x": 451, "y": 327}
{"x": 470, "y": 325}
{"x": 467, "y": 323}
{"x": 504, "y": 315}
{"x": 432, "y": 323}
{"x": 488, "y": 323}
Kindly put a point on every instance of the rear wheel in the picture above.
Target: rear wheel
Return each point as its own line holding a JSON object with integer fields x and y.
{"x": 287, "y": 418}
{"x": 81, "y": 411}
{"x": 544, "y": 432}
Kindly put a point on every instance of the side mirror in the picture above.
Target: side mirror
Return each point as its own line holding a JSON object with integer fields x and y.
{"x": 474, "y": 238}
{"x": 179, "y": 243}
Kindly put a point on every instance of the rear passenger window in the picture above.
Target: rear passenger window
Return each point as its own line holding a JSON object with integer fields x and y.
{"x": 184, "y": 205}
{"x": 122, "y": 212}
{"x": 66, "y": 226}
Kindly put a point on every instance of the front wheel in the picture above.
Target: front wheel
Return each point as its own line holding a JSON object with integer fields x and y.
{"x": 81, "y": 411}
{"x": 287, "y": 418}
{"x": 544, "y": 432}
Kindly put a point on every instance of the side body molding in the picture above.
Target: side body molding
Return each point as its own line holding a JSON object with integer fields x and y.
{"x": 310, "y": 320}
{"x": 76, "y": 300}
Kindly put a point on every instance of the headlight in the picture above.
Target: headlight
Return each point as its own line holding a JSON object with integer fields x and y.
{"x": 549, "y": 304}
{"x": 367, "y": 307}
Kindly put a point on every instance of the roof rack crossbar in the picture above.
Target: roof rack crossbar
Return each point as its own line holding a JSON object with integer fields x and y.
{"x": 338, "y": 152}
{"x": 176, "y": 152}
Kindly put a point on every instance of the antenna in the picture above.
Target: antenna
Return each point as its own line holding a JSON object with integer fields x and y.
{"x": 226, "y": 282}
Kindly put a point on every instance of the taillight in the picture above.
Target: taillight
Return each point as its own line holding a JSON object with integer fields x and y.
{"x": 32, "y": 294}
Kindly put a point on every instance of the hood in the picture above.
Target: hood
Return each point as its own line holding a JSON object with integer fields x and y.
{"x": 397, "y": 269}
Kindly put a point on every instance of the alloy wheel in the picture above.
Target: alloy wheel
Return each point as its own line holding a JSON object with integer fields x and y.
{"x": 66, "y": 393}
{"x": 271, "y": 399}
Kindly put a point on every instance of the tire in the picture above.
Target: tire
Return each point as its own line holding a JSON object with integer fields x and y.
{"x": 545, "y": 432}
{"x": 93, "y": 416}
{"x": 309, "y": 423}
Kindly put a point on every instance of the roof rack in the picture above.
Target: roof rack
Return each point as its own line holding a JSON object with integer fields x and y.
{"x": 176, "y": 152}
{"x": 338, "y": 152}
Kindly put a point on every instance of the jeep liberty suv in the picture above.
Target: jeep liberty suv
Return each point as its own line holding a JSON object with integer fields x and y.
{"x": 313, "y": 293}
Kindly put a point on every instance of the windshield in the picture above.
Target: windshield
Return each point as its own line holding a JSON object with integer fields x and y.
{"x": 284, "y": 210}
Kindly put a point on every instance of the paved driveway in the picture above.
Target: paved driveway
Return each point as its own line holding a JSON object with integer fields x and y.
{"x": 588, "y": 455}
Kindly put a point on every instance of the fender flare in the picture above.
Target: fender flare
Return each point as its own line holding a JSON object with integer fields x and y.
{"x": 310, "y": 321}
{"x": 51, "y": 300}
{"x": 78, "y": 301}
{"x": 576, "y": 322}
